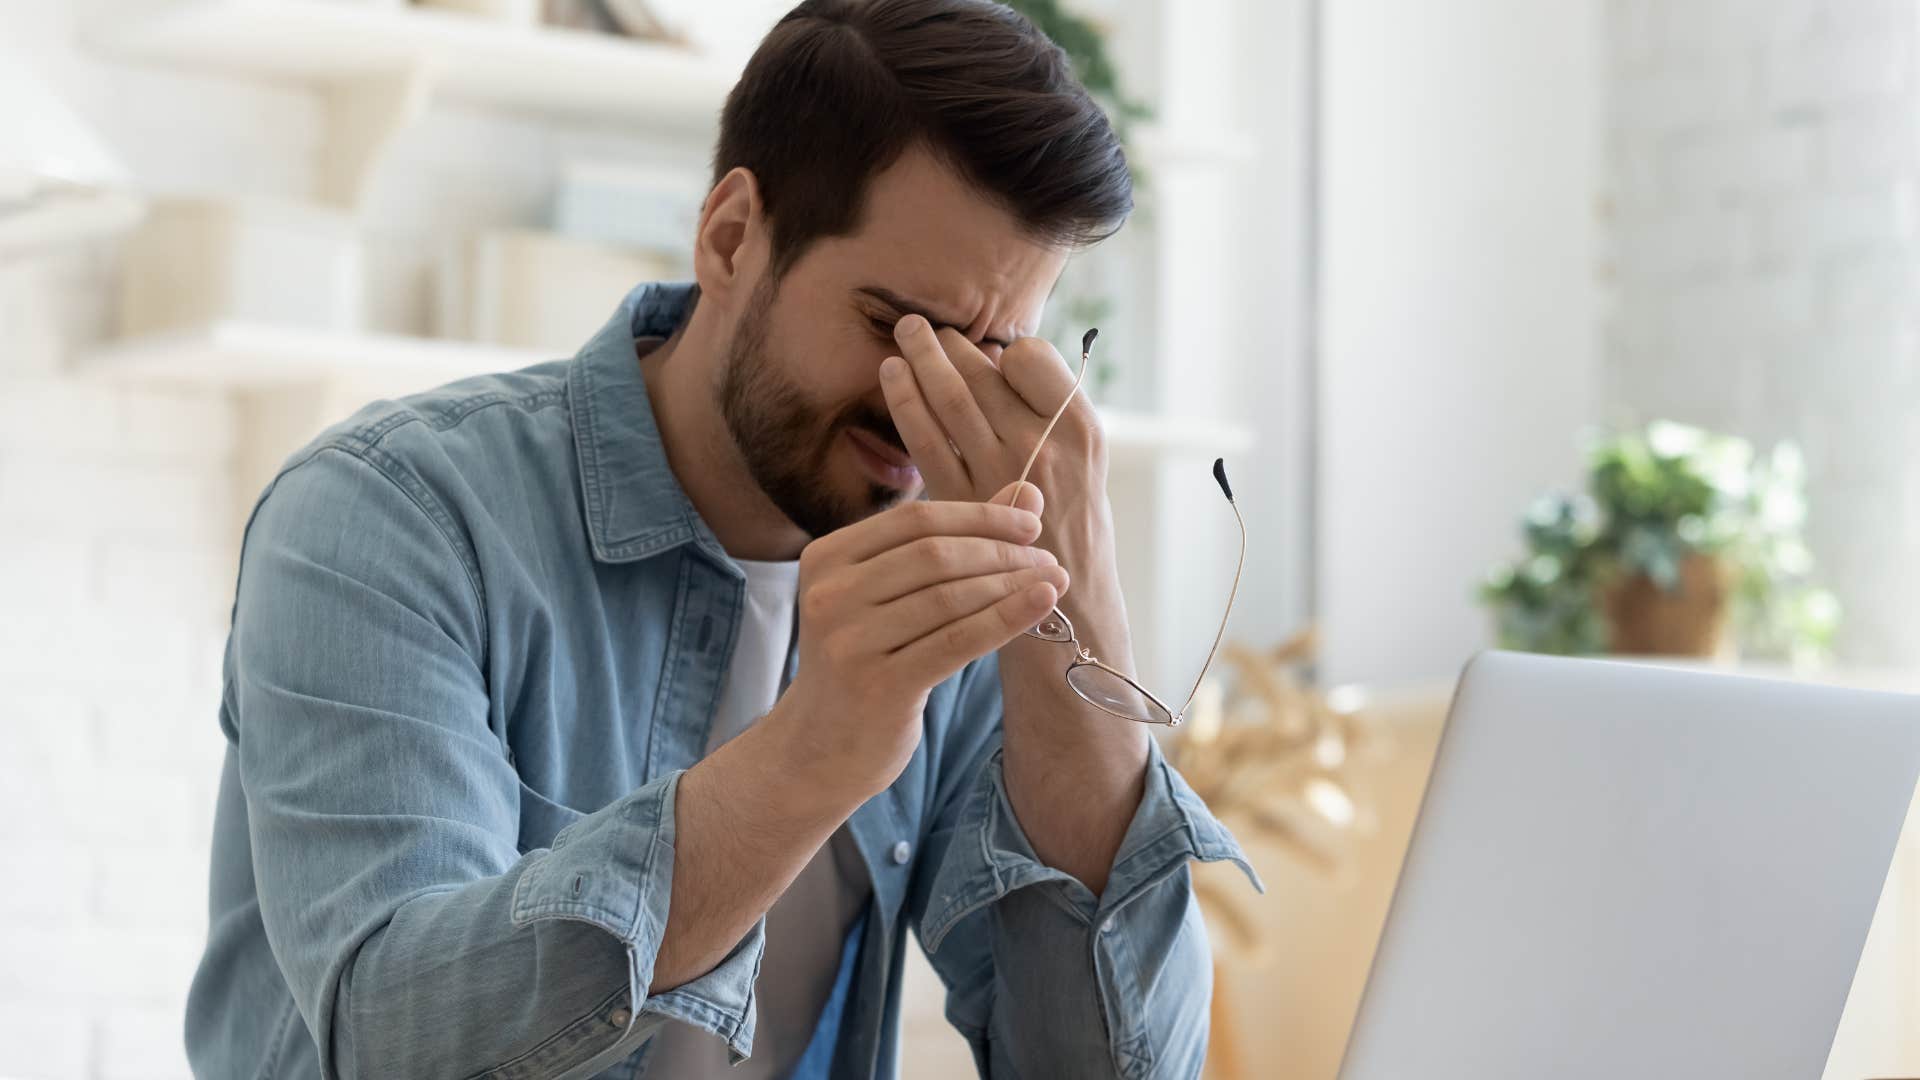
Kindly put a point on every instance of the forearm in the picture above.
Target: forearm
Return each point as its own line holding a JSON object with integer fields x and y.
{"x": 1143, "y": 997}
{"x": 1074, "y": 773}
{"x": 421, "y": 1000}
{"x": 472, "y": 961}
{"x": 748, "y": 822}
{"x": 1047, "y": 981}
{"x": 877, "y": 605}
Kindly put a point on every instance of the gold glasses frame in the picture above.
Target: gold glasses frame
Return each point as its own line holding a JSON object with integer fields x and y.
{"x": 1099, "y": 683}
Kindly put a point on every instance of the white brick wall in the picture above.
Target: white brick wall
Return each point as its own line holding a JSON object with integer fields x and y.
{"x": 112, "y": 580}
{"x": 1764, "y": 164}
{"x": 118, "y": 546}
{"x": 114, "y": 569}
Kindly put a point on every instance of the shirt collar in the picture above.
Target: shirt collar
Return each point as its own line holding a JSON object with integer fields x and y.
{"x": 634, "y": 506}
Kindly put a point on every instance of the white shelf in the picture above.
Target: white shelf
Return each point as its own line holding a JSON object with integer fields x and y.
{"x": 328, "y": 43}
{"x": 379, "y": 68}
{"x": 472, "y": 58}
{"x": 248, "y": 356}
{"x": 252, "y": 356}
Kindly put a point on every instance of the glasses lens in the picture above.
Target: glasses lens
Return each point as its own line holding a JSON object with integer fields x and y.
{"x": 1116, "y": 694}
{"x": 1054, "y": 627}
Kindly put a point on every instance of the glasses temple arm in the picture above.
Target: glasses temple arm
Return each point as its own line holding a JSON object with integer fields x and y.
{"x": 1220, "y": 633}
{"x": 1086, "y": 350}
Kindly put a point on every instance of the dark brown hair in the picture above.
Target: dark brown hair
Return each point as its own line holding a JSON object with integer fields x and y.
{"x": 839, "y": 89}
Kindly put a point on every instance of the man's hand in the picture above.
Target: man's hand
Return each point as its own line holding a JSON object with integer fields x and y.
{"x": 892, "y": 606}
{"x": 1074, "y": 773}
{"x": 970, "y": 424}
{"x": 889, "y": 608}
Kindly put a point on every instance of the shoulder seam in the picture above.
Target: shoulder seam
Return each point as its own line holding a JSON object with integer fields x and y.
{"x": 379, "y": 461}
{"x": 456, "y": 414}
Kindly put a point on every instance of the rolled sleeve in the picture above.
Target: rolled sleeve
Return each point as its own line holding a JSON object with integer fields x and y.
{"x": 1043, "y": 1009}
{"x": 614, "y": 869}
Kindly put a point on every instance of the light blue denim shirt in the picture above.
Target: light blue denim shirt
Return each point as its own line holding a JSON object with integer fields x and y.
{"x": 479, "y": 634}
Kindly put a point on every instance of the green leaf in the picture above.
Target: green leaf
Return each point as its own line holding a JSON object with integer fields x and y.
{"x": 1654, "y": 498}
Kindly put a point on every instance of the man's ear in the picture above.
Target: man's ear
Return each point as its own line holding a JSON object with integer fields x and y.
{"x": 731, "y": 243}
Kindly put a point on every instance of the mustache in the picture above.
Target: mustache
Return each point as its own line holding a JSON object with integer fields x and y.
{"x": 875, "y": 422}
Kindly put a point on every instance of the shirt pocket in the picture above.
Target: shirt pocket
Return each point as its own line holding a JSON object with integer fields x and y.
{"x": 541, "y": 819}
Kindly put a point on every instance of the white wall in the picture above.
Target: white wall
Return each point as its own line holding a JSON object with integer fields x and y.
{"x": 1764, "y": 161}
{"x": 1219, "y": 225}
{"x": 1456, "y": 365}
{"x": 114, "y": 560}
{"x": 117, "y": 546}
{"x": 115, "y": 566}
{"x": 1271, "y": 321}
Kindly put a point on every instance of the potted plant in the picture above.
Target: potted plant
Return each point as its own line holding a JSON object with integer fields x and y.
{"x": 1684, "y": 543}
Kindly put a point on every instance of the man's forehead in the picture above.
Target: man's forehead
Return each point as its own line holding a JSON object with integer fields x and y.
{"x": 993, "y": 294}
{"x": 932, "y": 241}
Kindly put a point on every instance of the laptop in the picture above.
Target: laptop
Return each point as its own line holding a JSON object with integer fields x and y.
{"x": 1628, "y": 870}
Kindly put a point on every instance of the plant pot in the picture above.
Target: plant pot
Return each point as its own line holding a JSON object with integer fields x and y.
{"x": 1645, "y": 620}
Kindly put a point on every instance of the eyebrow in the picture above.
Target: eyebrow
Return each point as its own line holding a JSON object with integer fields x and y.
{"x": 905, "y": 307}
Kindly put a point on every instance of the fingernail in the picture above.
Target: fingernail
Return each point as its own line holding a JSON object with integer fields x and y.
{"x": 891, "y": 367}
{"x": 914, "y": 324}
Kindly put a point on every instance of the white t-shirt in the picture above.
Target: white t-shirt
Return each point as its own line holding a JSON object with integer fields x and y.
{"x": 809, "y": 923}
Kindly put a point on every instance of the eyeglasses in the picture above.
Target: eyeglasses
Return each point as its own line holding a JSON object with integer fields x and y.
{"x": 1100, "y": 684}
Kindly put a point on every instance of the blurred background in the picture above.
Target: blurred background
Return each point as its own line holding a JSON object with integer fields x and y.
{"x": 1584, "y": 326}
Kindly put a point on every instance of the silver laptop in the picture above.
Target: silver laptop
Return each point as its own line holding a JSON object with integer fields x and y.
{"x": 1623, "y": 870}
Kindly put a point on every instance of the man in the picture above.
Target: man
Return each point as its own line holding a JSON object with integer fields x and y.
{"x": 619, "y": 715}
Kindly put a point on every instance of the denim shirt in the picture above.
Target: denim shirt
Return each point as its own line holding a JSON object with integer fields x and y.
{"x": 478, "y": 636}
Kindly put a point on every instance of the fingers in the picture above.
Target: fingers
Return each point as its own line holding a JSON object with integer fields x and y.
{"x": 983, "y": 377}
{"x": 1029, "y": 498}
{"x": 945, "y": 392}
{"x": 890, "y": 529}
{"x": 1036, "y": 371}
{"x": 934, "y": 559}
{"x": 927, "y": 442}
{"x": 940, "y": 652}
{"x": 925, "y": 611}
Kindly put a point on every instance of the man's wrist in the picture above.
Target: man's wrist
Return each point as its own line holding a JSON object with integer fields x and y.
{"x": 1073, "y": 772}
{"x": 1047, "y": 721}
{"x": 774, "y": 776}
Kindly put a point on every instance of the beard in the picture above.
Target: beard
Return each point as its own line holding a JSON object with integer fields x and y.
{"x": 785, "y": 441}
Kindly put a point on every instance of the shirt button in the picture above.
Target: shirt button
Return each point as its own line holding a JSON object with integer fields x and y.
{"x": 902, "y": 851}
{"x": 620, "y": 1018}
{"x": 1107, "y": 927}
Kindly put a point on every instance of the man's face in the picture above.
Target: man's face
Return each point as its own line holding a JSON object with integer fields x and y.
{"x": 800, "y": 389}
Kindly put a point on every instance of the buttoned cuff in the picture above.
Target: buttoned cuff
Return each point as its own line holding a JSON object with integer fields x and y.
{"x": 614, "y": 869}
{"x": 991, "y": 855}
